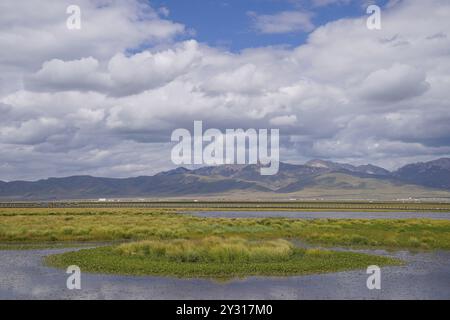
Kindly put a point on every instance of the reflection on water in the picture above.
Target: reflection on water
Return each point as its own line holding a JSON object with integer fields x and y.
{"x": 427, "y": 275}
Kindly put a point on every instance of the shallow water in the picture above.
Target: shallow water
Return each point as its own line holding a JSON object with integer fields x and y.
{"x": 427, "y": 276}
{"x": 324, "y": 215}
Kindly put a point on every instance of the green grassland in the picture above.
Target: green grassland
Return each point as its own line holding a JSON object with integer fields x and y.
{"x": 94, "y": 225}
{"x": 163, "y": 242}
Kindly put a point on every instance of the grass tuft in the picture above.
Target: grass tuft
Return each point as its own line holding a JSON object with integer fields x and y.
{"x": 210, "y": 249}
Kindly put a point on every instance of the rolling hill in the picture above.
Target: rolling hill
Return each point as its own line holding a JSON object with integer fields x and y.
{"x": 316, "y": 179}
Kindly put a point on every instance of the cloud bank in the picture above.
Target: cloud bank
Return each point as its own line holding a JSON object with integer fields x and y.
{"x": 104, "y": 100}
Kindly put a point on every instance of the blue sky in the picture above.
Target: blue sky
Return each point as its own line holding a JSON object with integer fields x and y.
{"x": 105, "y": 99}
{"x": 229, "y": 23}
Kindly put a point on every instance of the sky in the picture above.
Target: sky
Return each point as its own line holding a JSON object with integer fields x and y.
{"x": 104, "y": 100}
{"x": 236, "y": 25}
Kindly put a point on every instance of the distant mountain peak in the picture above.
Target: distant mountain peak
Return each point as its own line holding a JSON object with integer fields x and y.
{"x": 435, "y": 173}
{"x": 319, "y": 177}
{"x": 443, "y": 163}
{"x": 316, "y": 163}
{"x": 179, "y": 170}
{"x": 335, "y": 166}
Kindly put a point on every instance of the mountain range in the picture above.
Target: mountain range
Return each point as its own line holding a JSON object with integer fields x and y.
{"x": 316, "y": 179}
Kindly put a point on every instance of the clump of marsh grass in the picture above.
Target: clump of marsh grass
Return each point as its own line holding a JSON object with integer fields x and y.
{"x": 210, "y": 249}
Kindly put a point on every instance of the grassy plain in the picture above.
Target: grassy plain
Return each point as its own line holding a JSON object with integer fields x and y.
{"x": 100, "y": 225}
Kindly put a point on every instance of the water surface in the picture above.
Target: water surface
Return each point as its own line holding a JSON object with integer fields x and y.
{"x": 323, "y": 215}
{"x": 427, "y": 276}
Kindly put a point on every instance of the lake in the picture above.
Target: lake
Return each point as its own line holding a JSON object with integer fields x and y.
{"x": 427, "y": 276}
{"x": 323, "y": 215}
